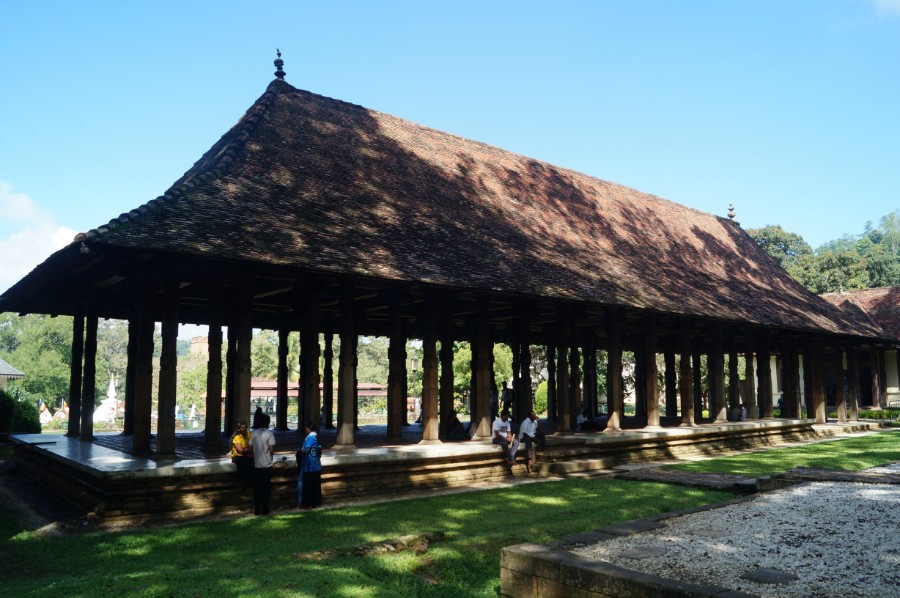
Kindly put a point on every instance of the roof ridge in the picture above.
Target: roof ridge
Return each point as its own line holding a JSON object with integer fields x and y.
{"x": 211, "y": 165}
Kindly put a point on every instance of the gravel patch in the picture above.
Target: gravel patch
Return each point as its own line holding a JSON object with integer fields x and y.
{"x": 816, "y": 539}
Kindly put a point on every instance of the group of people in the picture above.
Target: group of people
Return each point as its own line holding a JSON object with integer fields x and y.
{"x": 252, "y": 452}
{"x": 530, "y": 434}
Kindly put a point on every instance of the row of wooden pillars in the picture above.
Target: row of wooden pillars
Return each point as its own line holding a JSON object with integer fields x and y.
{"x": 570, "y": 353}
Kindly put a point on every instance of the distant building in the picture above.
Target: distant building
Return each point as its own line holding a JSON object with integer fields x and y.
{"x": 7, "y": 373}
{"x": 200, "y": 345}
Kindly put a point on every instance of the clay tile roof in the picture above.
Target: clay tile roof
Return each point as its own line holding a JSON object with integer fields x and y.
{"x": 880, "y": 306}
{"x": 320, "y": 184}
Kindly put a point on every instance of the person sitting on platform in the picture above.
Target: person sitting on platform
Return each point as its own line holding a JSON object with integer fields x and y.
{"x": 585, "y": 423}
{"x": 242, "y": 455}
{"x": 503, "y": 436}
{"x": 456, "y": 429}
{"x": 530, "y": 433}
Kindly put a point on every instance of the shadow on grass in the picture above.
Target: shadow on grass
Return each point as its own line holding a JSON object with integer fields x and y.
{"x": 256, "y": 556}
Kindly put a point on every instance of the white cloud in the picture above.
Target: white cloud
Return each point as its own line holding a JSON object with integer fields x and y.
{"x": 887, "y": 8}
{"x": 28, "y": 237}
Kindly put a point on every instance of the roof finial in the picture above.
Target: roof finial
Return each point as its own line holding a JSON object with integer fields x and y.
{"x": 731, "y": 211}
{"x": 279, "y": 74}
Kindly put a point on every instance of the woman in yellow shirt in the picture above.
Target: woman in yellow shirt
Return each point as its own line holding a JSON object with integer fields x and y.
{"x": 242, "y": 454}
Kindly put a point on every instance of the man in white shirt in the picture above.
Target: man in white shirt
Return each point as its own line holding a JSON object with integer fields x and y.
{"x": 530, "y": 433}
{"x": 503, "y": 436}
{"x": 262, "y": 441}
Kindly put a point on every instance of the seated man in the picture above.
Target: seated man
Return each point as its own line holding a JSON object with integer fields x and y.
{"x": 585, "y": 423}
{"x": 530, "y": 433}
{"x": 502, "y": 435}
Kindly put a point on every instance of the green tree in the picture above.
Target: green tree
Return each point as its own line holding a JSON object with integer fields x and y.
{"x": 372, "y": 355}
{"x": 264, "y": 354}
{"x": 890, "y": 229}
{"x": 783, "y": 246}
{"x": 41, "y": 347}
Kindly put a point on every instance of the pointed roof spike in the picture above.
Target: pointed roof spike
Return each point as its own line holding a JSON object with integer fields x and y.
{"x": 731, "y": 213}
{"x": 279, "y": 73}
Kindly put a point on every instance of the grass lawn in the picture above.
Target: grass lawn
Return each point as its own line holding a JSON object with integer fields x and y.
{"x": 850, "y": 454}
{"x": 259, "y": 556}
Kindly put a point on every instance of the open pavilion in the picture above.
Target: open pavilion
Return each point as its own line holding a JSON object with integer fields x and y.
{"x": 323, "y": 217}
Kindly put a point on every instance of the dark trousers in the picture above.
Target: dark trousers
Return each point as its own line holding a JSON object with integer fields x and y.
{"x": 262, "y": 489}
{"x": 244, "y": 470}
{"x": 311, "y": 493}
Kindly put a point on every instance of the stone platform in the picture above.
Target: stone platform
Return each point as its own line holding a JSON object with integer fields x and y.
{"x": 103, "y": 479}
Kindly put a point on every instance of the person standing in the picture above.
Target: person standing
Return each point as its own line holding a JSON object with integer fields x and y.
{"x": 262, "y": 441}
{"x": 311, "y": 469}
{"x": 241, "y": 455}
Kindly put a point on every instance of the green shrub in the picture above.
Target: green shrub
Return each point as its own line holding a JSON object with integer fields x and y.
{"x": 7, "y": 409}
{"x": 18, "y": 416}
{"x": 540, "y": 398}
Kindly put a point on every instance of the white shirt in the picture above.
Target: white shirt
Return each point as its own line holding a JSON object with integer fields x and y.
{"x": 503, "y": 427}
{"x": 261, "y": 439}
{"x": 528, "y": 427}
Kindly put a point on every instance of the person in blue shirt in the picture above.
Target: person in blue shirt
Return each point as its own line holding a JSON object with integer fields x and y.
{"x": 310, "y": 486}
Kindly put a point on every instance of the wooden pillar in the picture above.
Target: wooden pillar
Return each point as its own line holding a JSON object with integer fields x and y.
{"x": 764, "y": 377}
{"x": 615, "y": 393}
{"x": 716, "y": 365}
{"x": 651, "y": 389}
{"x": 853, "y": 382}
{"x": 430, "y": 427}
{"x": 840, "y": 394}
{"x": 515, "y": 412}
{"x": 355, "y": 388}
{"x": 281, "y": 384}
{"x": 817, "y": 394}
{"x": 575, "y": 397}
{"x": 563, "y": 394}
{"x": 309, "y": 364}
{"x": 481, "y": 413}
{"x": 686, "y": 375}
{"x": 143, "y": 372}
{"x": 640, "y": 383}
{"x": 396, "y": 398}
{"x": 231, "y": 381}
{"x": 749, "y": 382}
{"x": 790, "y": 379}
{"x": 809, "y": 367}
{"x": 168, "y": 373}
{"x": 524, "y": 398}
{"x": 734, "y": 380}
{"x": 131, "y": 351}
{"x": 346, "y": 373}
{"x": 697, "y": 362}
{"x": 328, "y": 381}
{"x": 89, "y": 380}
{"x": 75, "y": 370}
{"x": 213, "y": 432}
{"x": 551, "y": 382}
{"x": 877, "y": 379}
{"x": 671, "y": 378}
{"x": 446, "y": 381}
{"x": 244, "y": 334}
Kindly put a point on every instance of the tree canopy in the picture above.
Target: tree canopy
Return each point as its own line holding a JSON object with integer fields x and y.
{"x": 870, "y": 259}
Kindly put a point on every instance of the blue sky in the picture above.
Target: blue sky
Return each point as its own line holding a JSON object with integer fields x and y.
{"x": 786, "y": 108}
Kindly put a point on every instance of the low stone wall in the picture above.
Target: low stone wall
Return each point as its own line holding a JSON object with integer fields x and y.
{"x": 538, "y": 571}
